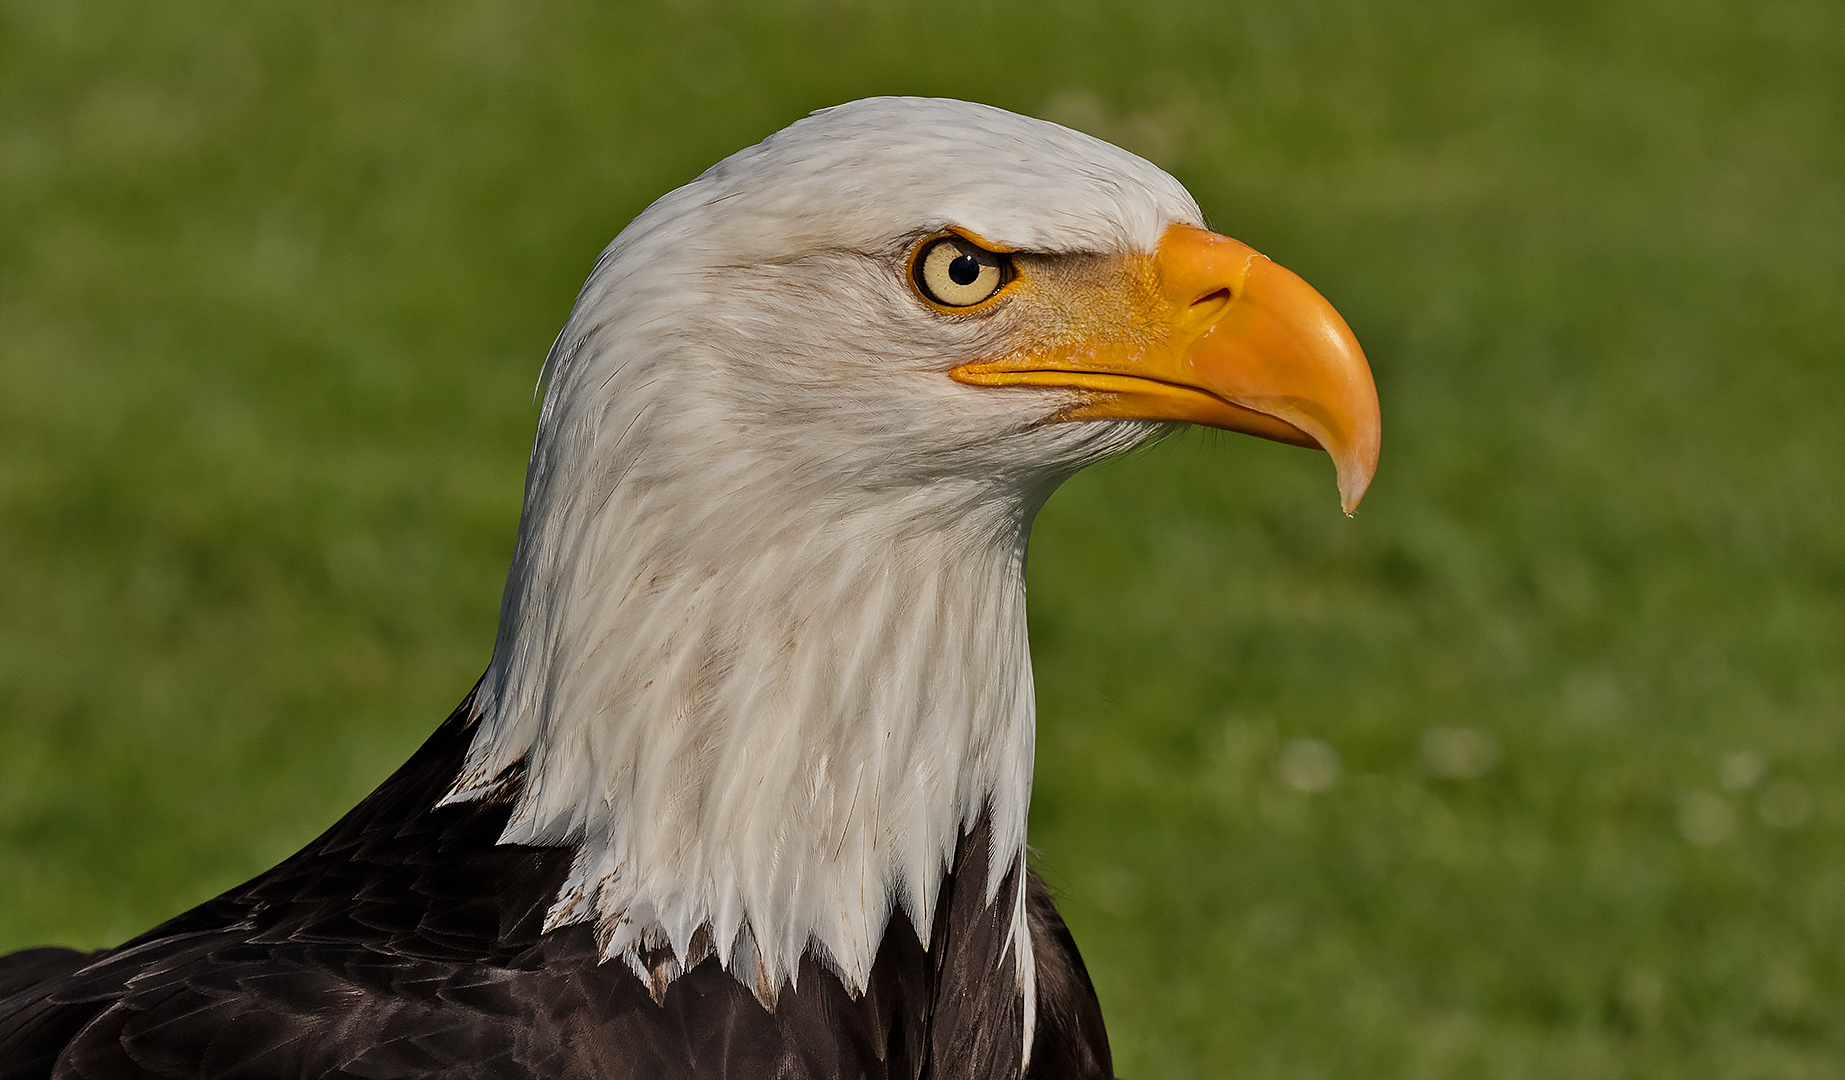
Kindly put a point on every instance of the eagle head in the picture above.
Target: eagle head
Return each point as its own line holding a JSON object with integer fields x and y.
{"x": 762, "y": 657}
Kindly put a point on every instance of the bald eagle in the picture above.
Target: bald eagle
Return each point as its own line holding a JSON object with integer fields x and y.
{"x": 743, "y": 790}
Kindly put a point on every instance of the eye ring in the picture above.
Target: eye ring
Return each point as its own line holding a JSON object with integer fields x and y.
{"x": 957, "y": 275}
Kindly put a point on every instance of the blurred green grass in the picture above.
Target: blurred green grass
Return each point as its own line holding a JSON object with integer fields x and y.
{"x": 275, "y": 281}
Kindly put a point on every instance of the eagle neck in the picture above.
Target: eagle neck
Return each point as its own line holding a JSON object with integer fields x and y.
{"x": 760, "y": 741}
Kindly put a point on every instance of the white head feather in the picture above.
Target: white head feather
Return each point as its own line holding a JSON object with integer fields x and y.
{"x": 763, "y": 646}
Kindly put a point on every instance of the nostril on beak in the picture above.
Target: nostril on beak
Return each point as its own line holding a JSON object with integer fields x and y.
{"x": 1206, "y": 310}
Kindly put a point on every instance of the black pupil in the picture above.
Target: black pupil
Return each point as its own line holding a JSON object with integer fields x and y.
{"x": 964, "y": 270}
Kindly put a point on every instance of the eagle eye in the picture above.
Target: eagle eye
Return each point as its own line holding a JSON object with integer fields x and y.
{"x": 958, "y": 273}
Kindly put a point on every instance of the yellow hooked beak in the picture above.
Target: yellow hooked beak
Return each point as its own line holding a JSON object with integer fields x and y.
{"x": 1236, "y": 342}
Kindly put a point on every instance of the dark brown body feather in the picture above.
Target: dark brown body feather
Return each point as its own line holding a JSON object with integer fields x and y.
{"x": 404, "y": 942}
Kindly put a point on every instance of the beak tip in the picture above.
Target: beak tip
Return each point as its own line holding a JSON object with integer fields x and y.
{"x": 1355, "y": 473}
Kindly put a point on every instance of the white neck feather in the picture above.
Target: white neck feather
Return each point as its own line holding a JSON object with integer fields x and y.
{"x": 771, "y": 738}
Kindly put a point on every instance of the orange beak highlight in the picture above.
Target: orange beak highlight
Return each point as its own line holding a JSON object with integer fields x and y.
{"x": 1237, "y": 343}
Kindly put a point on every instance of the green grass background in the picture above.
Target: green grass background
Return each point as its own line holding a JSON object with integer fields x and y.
{"x": 275, "y": 281}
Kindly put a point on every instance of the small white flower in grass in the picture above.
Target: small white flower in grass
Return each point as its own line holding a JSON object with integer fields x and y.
{"x": 1785, "y": 803}
{"x": 1740, "y": 770}
{"x": 1457, "y": 753}
{"x": 1308, "y": 765}
{"x": 1705, "y": 818}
